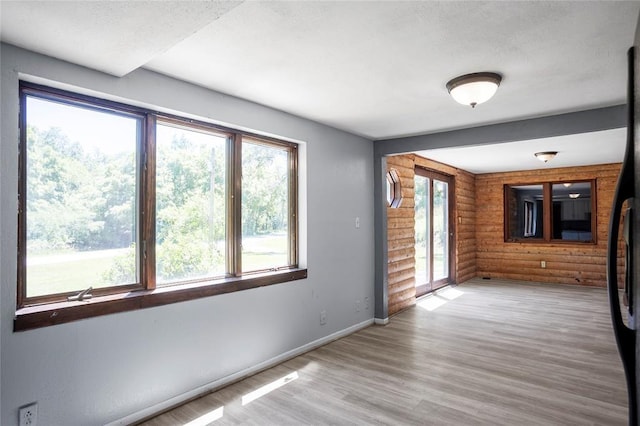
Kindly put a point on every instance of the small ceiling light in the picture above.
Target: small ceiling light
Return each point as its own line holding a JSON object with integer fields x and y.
{"x": 545, "y": 156}
{"x": 567, "y": 184}
{"x": 474, "y": 89}
{"x": 574, "y": 195}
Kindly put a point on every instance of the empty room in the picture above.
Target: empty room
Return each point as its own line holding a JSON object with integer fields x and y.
{"x": 318, "y": 212}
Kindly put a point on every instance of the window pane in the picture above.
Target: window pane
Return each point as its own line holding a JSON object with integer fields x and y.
{"x": 572, "y": 211}
{"x": 422, "y": 215}
{"x": 525, "y": 211}
{"x": 81, "y": 198}
{"x": 190, "y": 204}
{"x": 440, "y": 230}
{"x": 265, "y": 206}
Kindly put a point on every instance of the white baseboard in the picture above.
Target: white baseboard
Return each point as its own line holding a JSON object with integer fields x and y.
{"x": 381, "y": 321}
{"x": 179, "y": 399}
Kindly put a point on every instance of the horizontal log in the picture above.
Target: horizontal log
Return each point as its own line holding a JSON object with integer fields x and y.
{"x": 405, "y": 274}
{"x": 400, "y": 233}
{"x": 399, "y": 307}
{"x": 543, "y": 279}
{"x": 401, "y": 244}
{"x": 402, "y": 212}
{"x": 401, "y": 265}
{"x": 403, "y": 286}
{"x": 552, "y": 267}
{"x": 559, "y": 174}
{"x": 400, "y": 161}
{"x": 408, "y": 293}
{"x": 401, "y": 222}
{"x": 434, "y": 165}
{"x": 401, "y": 254}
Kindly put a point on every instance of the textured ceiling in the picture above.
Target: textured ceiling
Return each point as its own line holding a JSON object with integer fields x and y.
{"x": 377, "y": 69}
{"x": 583, "y": 149}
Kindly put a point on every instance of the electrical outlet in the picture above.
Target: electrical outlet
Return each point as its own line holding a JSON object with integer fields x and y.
{"x": 543, "y": 264}
{"x": 366, "y": 303}
{"x": 357, "y": 222}
{"x": 323, "y": 317}
{"x": 357, "y": 306}
{"x": 29, "y": 415}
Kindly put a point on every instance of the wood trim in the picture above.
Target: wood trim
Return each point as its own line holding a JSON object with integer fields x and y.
{"x": 234, "y": 207}
{"x": 147, "y": 252}
{"x": 453, "y": 229}
{"x": 547, "y": 203}
{"x": 594, "y": 211}
{"x": 294, "y": 226}
{"x": 432, "y": 175}
{"x": 22, "y": 204}
{"x": 63, "y": 312}
{"x": 547, "y": 208}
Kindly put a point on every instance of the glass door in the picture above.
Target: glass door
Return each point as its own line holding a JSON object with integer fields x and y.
{"x": 432, "y": 230}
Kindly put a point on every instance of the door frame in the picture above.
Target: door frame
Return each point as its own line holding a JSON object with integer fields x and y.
{"x": 431, "y": 174}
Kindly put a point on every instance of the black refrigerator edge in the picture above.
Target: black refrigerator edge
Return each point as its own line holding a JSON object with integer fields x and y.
{"x": 625, "y": 212}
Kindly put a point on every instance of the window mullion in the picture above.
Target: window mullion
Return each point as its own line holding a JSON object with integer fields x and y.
{"x": 547, "y": 204}
{"x": 22, "y": 203}
{"x": 234, "y": 206}
{"x": 293, "y": 206}
{"x": 147, "y": 214}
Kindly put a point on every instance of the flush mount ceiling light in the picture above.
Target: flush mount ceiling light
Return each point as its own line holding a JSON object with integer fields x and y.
{"x": 545, "y": 156}
{"x": 567, "y": 184}
{"x": 474, "y": 89}
{"x": 574, "y": 195}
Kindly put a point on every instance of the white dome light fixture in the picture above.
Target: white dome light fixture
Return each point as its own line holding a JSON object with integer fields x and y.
{"x": 546, "y": 155}
{"x": 473, "y": 89}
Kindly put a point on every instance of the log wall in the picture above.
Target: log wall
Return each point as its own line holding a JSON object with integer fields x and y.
{"x": 566, "y": 263}
{"x": 401, "y": 229}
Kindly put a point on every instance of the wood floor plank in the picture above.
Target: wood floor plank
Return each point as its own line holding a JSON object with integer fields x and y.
{"x": 500, "y": 353}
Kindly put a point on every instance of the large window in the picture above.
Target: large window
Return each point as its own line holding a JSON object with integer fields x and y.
{"x": 551, "y": 211}
{"x": 117, "y": 202}
{"x": 80, "y": 192}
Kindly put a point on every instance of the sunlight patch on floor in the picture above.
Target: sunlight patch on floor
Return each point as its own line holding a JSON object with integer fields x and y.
{"x": 218, "y": 413}
{"x": 439, "y": 298}
{"x": 431, "y": 302}
{"x": 450, "y": 293}
{"x": 252, "y": 396}
{"x": 208, "y": 418}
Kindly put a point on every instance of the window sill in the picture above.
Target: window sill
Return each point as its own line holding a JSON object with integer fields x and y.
{"x": 31, "y": 317}
{"x": 540, "y": 241}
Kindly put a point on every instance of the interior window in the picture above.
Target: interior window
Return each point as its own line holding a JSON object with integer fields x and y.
{"x": 525, "y": 203}
{"x": 551, "y": 212}
{"x": 572, "y": 211}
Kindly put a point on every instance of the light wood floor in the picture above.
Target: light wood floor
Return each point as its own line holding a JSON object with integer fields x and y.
{"x": 502, "y": 352}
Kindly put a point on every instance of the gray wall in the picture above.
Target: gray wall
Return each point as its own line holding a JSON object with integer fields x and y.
{"x": 102, "y": 369}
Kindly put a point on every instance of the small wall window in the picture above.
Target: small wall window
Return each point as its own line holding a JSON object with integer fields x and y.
{"x": 394, "y": 189}
{"x": 551, "y": 211}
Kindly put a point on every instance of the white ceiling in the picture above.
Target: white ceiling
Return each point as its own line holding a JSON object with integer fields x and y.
{"x": 377, "y": 69}
{"x": 583, "y": 149}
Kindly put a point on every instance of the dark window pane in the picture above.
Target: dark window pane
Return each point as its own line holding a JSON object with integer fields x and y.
{"x": 525, "y": 211}
{"x": 571, "y": 215}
